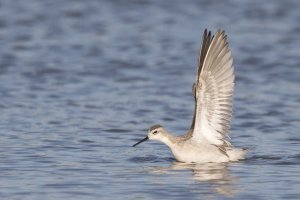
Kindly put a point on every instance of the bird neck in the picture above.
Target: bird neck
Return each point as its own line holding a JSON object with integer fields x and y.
{"x": 169, "y": 139}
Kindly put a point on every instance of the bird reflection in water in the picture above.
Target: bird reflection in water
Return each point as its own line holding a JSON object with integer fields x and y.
{"x": 216, "y": 174}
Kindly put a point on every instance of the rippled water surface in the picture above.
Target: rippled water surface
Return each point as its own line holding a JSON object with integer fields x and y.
{"x": 81, "y": 81}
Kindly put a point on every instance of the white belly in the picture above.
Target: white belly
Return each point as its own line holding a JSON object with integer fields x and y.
{"x": 190, "y": 153}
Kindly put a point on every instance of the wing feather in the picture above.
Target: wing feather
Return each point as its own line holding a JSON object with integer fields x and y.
{"x": 213, "y": 91}
{"x": 205, "y": 43}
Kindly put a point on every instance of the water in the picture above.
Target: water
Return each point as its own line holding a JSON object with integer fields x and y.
{"x": 81, "y": 81}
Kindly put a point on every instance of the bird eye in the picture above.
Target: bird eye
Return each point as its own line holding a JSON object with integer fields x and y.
{"x": 154, "y": 132}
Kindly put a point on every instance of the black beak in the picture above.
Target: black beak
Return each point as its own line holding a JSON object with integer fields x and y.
{"x": 143, "y": 140}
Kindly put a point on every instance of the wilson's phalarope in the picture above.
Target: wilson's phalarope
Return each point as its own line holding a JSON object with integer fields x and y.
{"x": 207, "y": 140}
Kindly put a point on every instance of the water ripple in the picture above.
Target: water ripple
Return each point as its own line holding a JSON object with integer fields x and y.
{"x": 81, "y": 81}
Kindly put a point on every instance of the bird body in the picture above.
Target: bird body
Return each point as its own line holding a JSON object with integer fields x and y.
{"x": 186, "y": 149}
{"x": 207, "y": 140}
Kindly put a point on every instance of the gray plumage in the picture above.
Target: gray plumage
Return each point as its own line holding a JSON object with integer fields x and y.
{"x": 207, "y": 140}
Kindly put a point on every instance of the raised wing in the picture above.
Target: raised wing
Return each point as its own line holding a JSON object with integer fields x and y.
{"x": 213, "y": 91}
{"x": 206, "y": 40}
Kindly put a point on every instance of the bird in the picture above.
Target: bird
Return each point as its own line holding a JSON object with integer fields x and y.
{"x": 207, "y": 139}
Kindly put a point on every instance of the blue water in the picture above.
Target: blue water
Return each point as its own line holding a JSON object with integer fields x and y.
{"x": 81, "y": 81}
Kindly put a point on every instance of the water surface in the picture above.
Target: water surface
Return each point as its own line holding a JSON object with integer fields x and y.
{"x": 81, "y": 81}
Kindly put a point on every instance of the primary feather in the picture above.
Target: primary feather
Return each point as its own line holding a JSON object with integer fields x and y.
{"x": 213, "y": 90}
